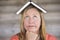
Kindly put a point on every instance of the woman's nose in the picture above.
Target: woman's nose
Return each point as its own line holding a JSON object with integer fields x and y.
{"x": 31, "y": 20}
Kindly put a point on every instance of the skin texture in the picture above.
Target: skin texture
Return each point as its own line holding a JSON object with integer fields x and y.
{"x": 32, "y": 20}
{"x": 32, "y": 23}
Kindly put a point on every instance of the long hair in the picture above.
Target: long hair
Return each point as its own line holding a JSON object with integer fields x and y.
{"x": 41, "y": 29}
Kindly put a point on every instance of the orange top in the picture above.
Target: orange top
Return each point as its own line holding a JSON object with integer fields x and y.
{"x": 48, "y": 37}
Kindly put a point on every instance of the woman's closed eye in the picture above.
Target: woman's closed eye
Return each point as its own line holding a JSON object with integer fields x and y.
{"x": 26, "y": 17}
{"x": 35, "y": 17}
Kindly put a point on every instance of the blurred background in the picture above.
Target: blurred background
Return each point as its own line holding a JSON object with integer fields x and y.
{"x": 9, "y": 20}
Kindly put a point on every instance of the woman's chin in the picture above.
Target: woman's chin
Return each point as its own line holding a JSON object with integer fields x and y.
{"x": 32, "y": 30}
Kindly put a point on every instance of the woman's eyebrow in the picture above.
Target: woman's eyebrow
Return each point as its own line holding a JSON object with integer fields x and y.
{"x": 26, "y": 14}
{"x": 35, "y": 14}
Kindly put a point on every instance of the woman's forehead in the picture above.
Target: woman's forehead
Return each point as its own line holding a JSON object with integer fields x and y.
{"x": 31, "y": 11}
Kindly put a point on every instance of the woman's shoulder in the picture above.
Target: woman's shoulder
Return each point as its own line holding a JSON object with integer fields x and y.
{"x": 15, "y": 37}
{"x": 50, "y": 37}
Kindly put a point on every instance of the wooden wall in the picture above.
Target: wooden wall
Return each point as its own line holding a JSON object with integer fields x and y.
{"x": 9, "y": 21}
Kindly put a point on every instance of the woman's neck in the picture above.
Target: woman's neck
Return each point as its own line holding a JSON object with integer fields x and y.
{"x": 31, "y": 36}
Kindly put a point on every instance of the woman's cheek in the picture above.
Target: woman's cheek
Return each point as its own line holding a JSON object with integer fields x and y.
{"x": 38, "y": 23}
{"x": 25, "y": 24}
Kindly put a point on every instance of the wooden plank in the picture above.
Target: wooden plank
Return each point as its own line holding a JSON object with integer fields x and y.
{"x": 17, "y": 23}
{"x": 13, "y": 9}
{"x": 52, "y": 15}
{"x": 9, "y": 9}
{"x": 53, "y": 29}
{"x": 52, "y": 7}
{"x": 7, "y": 3}
{"x": 35, "y": 0}
{"x": 5, "y": 17}
{"x": 46, "y": 1}
{"x": 13, "y": 16}
{"x": 7, "y": 0}
{"x": 9, "y": 30}
{"x": 12, "y": 2}
{"x": 18, "y": 2}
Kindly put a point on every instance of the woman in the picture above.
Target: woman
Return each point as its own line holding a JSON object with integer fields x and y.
{"x": 32, "y": 26}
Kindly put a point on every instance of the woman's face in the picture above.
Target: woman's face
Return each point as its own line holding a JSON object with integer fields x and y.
{"x": 32, "y": 20}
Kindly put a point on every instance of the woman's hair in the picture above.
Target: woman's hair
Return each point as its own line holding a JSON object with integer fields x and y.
{"x": 41, "y": 29}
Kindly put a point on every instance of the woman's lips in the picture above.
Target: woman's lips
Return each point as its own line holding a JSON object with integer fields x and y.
{"x": 31, "y": 26}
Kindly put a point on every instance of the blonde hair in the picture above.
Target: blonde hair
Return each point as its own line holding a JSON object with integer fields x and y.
{"x": 41, "y": 30}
